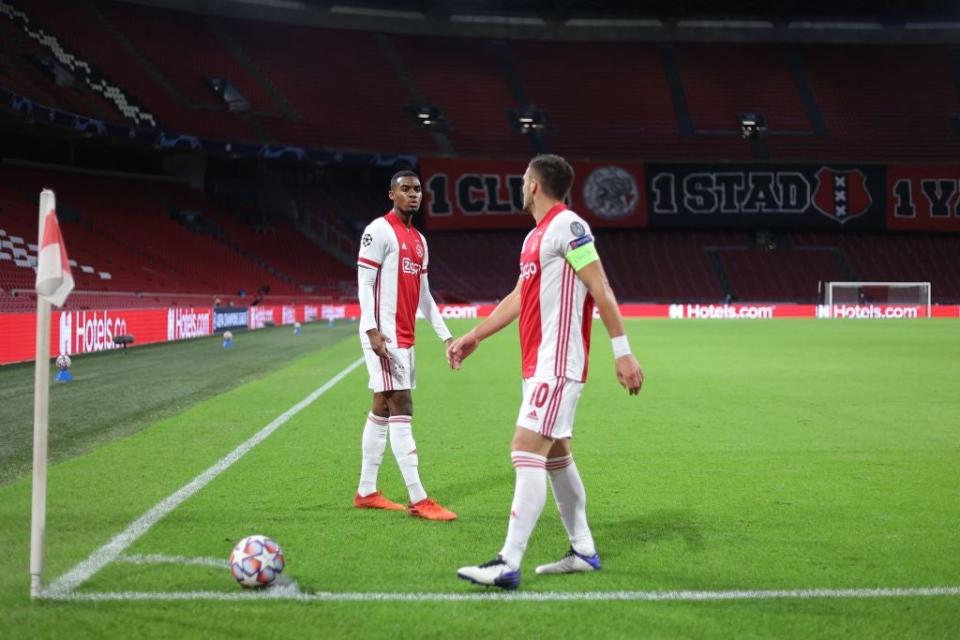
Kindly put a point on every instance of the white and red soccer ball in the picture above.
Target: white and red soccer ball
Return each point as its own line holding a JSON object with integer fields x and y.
{"x": 256, "y": 561}
{"x": 63, "y": 361}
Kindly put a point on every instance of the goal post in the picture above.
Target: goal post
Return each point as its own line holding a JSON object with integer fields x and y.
{"x": 876, "y": 300}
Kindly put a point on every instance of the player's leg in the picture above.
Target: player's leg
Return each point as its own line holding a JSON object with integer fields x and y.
{"x": 528, "y": 453}
{"x": 404, "y": 447}
{"x": 531, "y": 443}
{"x": 571, "y": 499}
{"x": 400, "y": 405}
{"x": 374, "y": 442}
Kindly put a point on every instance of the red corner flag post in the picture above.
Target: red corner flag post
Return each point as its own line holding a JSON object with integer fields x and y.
{"x": 54, "y": 284}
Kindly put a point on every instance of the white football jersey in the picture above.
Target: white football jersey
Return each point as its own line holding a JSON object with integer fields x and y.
{"x": 399, "y": 253}
{"x": 556, "y": 310}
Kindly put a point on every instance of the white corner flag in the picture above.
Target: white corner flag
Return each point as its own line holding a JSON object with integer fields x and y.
{"x": 54, "y": 284}
{"x": 54, "y": 278}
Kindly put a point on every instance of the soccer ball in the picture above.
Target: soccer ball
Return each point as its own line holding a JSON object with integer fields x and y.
{"x": 228, "y": 335}
{"x": 63, "y": 361}
{"x": 256, "y": 561}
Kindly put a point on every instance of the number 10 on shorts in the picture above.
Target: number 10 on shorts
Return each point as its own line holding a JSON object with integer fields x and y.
{"x": 549, "y": 406}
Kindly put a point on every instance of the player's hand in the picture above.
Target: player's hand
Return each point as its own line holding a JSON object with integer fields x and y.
{"x": 460, "y": 348}
{"x": 378, "y": 343}
{"x": 629, "y": 373}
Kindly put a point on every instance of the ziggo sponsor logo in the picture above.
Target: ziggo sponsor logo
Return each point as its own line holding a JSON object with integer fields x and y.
{"x": 721, "y": 311}
{"x": 409, "y": 266}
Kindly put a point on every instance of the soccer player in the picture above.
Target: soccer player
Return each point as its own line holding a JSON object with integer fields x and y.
{"x": 392, "y": 285}
{"x": 561, "y": 278}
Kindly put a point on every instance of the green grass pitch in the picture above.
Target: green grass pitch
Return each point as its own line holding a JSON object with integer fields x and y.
{"x": 766, "y": 455}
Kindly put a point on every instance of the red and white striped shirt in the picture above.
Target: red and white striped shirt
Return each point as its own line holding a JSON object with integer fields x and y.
{"x": 555, "y": 308}
{"x": 399, "y": 253}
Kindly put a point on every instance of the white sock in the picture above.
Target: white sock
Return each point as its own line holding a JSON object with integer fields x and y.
{"x": 405, "y": 451}
{"x": 374, "y": 443}
{"x": 571, "y": 499}
{"x": 529, "y": 497}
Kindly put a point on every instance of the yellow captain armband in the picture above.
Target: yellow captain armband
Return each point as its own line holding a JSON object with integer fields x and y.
{"x": 583, "y": 254}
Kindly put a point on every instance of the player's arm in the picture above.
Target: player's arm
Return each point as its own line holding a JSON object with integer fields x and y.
{"x": 430, "y": 311}
{"x": 366, "y": 281}
{"x": 368, "y": 268}
{"x": 504, "y": 313}
{"x": 585, "y": 260}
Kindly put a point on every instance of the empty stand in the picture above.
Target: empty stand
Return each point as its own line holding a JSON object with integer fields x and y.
{"x": 125, "y": 228}
{"x": 338, "y": 82}
{"x": 882, "y": 103}
{"x": 465, "y": 79}
{"x": 723, "y": 80}
{"x": 781, "y": 275}
{"x": 340, "y": 89}
{"x": 21, "y": 72}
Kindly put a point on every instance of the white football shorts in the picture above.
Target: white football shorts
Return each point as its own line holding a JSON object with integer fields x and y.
{"x": 395, "y": 373}
{"x": 549, "y": 406}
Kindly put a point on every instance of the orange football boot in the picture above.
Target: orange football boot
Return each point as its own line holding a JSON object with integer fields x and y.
{"x": 376, "y": 501}
{"x": 430, "y": 510}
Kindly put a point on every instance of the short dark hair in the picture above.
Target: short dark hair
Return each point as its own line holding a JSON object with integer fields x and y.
{"x": 405, "y": 173}
{"x": 554, "y": 173}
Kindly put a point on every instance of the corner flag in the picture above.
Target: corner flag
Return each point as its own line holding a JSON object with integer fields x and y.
{"x": 54, "y": 278}
{"x": 54, "y": 284}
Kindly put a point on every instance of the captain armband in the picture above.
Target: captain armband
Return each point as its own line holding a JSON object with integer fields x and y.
{"x": 583, "y": 252}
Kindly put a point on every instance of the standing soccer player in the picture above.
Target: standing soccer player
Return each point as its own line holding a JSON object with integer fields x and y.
{"x": 392, "y": 284}
{"x": 561, "y": 278}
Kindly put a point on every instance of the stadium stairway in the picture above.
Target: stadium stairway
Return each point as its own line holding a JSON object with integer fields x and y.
{"x": 478, "y": 112}
{"x": 251, "y": 67}
{"x": 794, "y": 62}
{"x": 668, "y": 57}
{"x": 182, "y": 64}
{"x": 406, "y": 79}
{"x": 80, "y": 66}
{"x": 520, "y": 98}
{"x": 26, "y": 68}
{"x": 718, "y": 269}
{"x": 135, "y": 54}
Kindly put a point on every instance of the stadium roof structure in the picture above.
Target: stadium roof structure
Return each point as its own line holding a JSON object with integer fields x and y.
{"x": 666, "y": 10}
{"x": 905, "y": 21}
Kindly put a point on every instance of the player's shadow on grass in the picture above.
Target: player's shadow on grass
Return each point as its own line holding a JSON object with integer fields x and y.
{"x": 654, "y": 526}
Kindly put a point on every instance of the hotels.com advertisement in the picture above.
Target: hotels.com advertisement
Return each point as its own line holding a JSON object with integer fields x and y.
{"x": 79, "y": 332}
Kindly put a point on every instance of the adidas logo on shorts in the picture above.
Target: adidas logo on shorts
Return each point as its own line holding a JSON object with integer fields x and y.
{"x": 532, "y": 415}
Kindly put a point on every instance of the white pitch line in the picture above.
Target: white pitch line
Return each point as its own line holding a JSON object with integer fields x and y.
{"x": 516, "y": 596}
{"x": 111, "y": 551}
{"x": 156, "y": 558}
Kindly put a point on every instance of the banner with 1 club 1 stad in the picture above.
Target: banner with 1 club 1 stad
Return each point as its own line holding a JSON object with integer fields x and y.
{"x": 828, "y": 196}
{"x": 923, "y": 198}
{"x": 487, "y": 194}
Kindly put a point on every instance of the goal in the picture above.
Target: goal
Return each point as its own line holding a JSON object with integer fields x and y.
{"x": 875, "y": 299}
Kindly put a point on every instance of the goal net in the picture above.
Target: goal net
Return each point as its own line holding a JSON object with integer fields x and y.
{"x": 876, "y": 300}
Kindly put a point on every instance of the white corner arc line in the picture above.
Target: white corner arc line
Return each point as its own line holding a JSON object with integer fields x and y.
{"x": 109, "y": 552}
{"x": 517, "y": 596}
